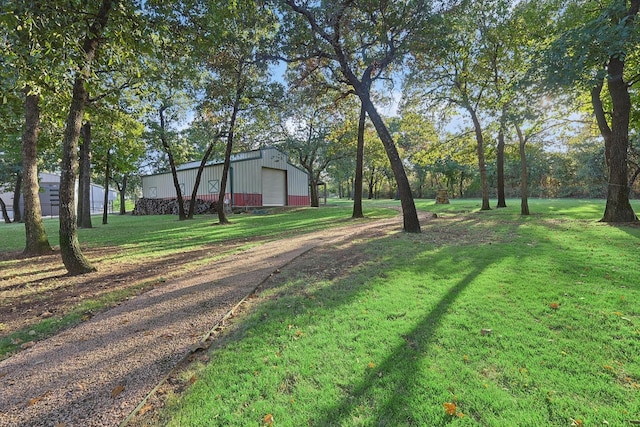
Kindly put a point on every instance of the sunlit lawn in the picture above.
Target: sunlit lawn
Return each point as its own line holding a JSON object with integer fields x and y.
{"x": 164, "y": 233}
{"x": 486, "y": 318}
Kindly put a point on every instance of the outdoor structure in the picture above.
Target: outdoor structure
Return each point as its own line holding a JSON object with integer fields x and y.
{"x": 256, "y": 178}
{"x": 442, "y": 197}
{"x": 50, "y": 196}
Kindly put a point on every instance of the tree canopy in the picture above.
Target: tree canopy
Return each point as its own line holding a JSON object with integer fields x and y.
{"x": 501, "y": 96}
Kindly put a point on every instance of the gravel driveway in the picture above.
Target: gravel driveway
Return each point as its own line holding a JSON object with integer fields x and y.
{"x": 96, "y": 373}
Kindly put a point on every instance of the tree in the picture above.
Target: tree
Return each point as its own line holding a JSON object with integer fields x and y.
{"x": 342, "y": 175}
{"x": 417, "y": 136}
{"x": 593, "y": 48}
{"x": 72, "y": 257}
{"x": 26, "y": 64}
{"x": 518, "y": 86}
{"x": 375, "y": 161}
{"x": 37, "y": 242}
{"x": 84, "y": 178}
{"x": 358, "y": 179}
{"x": 204, "y": 131}
{"x": 356, "y": 42}
{"x": 121, "y": 134}
{"x": 11, "y": 152}
{"x": 457, "y": 72}
{"x": 237, "y": 81}
{"x": 107, "y": 178}
{"x": 315, "y": 134}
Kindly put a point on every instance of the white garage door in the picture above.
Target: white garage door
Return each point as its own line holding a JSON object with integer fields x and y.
{"x": 274, "y": 187}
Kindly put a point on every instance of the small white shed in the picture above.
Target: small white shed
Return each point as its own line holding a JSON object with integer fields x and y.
{"x": 257, "y": 178}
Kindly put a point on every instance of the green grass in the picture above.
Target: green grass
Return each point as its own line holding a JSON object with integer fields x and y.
{"x": 162, "y": 234}
{"x": 392, "y": 339}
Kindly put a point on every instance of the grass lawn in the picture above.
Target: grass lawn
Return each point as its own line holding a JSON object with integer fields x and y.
{"x": 484, "y": 319}
{"x": 160, "y": 234}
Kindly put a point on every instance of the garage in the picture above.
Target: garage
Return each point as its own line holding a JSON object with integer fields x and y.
{"x": 262, "y": 177}
{"x": 274, "y": 187}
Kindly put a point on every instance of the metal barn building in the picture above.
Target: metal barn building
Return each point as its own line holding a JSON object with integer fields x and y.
{"x": 50, "y": 196}
{"x": 256, "y": 178}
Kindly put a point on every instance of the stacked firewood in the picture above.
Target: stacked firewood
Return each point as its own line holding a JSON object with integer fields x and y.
{"x": 147, "y": 206}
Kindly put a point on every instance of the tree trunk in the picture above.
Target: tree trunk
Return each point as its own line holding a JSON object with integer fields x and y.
{"x": 618, "y": 207}
{"x": 409, "y": 212}
{"x": 357, "y": 191}
{"x": 372, "y": 183}
{"x": 174, "y": 172}
{"x": 72, "y": 256}
{"x": 17, "y": 191}
{"x": 222, "y": 217}
{"x": 481, "y": 160}
{"x": 524, "y": 201}
{"x": 502, "y": 203}
{"x": 196, "y": 185}
{"x": 313, "y": 190}
{"x": 5, "y": 214}
{"x": 80, "y": 192}
{"x": 107, "y": 177}
{"x": 37, "y": 242}
{"x": 123, "y": 193}
{"x": 84, "y": 178}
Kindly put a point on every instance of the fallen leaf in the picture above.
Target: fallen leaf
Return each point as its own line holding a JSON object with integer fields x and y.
{"x": 34, "y": 400}
{"x": 267, "y": 420}
{"x": 554, "y": 305}
{"x": 146, "y": 408}
{"x": 38, "y": 399}
{"x": 116, "y": 391}
{"x": 371, "y": 365}
{"x": 193, "y": 379}
{"x": 450, "y": 408}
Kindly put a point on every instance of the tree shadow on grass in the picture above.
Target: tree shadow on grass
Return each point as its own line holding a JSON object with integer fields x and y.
{"x": 398, "y": 368}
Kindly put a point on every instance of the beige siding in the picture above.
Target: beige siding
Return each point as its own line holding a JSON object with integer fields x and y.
{"x": 297, "y": 182}
{"x": 274, "y": 159}
{"x": 245, "y": 180}
{"x": 246, "y": 177}
{"x": 161, "y": 186}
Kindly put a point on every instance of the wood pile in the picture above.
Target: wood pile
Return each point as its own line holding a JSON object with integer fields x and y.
{"x": 442, "y": 197}
{"x": 146, "y": 206}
